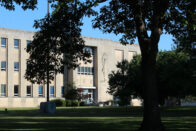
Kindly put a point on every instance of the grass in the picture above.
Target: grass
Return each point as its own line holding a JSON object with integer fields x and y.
{"x": 94, "y": 118}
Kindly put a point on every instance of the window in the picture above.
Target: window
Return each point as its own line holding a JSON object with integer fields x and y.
{"x": 82, "y": 70}
{"x": 28, "y": 90}
{"x": 89, "y": 50}
{"x": 3, "y": 42}
{"x": 40, "y": 90}
{"x": 3, "y": 66}
{"x": 16, "y": 88}
{"x": 28, "y": 42}
{"x": 16, "y": 43}
{"x": 89, "y": 70}
{"x": 86, "y": 70}
{"x": 16, "y": 66}
{"x": 62, "y": 91}
{"x": 52, "y": 91}
{"x": 3, "y": 90}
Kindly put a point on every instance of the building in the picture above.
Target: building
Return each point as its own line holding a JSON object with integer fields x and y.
{"x": 91, "y": 78}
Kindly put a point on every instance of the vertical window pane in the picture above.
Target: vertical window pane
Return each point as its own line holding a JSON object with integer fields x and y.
{"x": 78, "y": 70}
{"x": 52, "y": 91}
{"x": 28, "y": 42}
{"x": 62, "y": 91}
{"x": 89, "y": 70}
{"x": 40, "y": 90}
{"x": 16, "y": 43}
{"x": 15, "y": 90}
{"x": 3, "y": 66}
{"x": 3, "y": 42}
{"x": 86, "y": 70}
{"x": 3, "y": 90}
{"x": 16, "y": 66}
{"x": 82, "y": 70}
{"x": 28, "y": 90}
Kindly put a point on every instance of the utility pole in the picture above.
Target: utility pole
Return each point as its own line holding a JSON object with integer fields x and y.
{"x": 48, "y": 99}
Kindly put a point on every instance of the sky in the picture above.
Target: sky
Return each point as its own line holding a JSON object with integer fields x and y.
{"x": 24, "y": 20}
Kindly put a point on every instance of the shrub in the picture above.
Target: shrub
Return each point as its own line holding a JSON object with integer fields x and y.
{"x": 82, "y": 103}
{"x": 75, "y": 103}
{"x": 59, "y": 102}
{"x": 68, "y": 102}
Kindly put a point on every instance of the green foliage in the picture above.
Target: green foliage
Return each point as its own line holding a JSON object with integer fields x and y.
{"x": 82, "y": 103}
{"x": 70, "y": 103}
{"x": 58, "y": 41}
{"x": 26, "y": 4}
{"x": 59, "y": 102}
{"x": 174, "y": 77}
{"x": 71, "y": 92}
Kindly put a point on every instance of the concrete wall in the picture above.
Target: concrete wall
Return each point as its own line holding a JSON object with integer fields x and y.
{"x": 106, "y": 54}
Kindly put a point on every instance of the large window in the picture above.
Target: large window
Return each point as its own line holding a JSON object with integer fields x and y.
{"x": 41, "y": 92}
{"x": 89, "y": 50}
{"x": 3, "y": 42}
{"x": 62, "y": 91}
{"x": 85, "y": 70}
{"x": 16, "y": 90}
{"x": 3, "y": 90}
{"x": 16, "y": 66}
{"x": 3, "y": 65}
{"x": 16, "y": 43}
{"x": 28, "y": 90}
{"x": 52, "y": 91}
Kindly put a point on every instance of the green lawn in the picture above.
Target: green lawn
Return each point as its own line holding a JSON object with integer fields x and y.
{"x": 94, "y": 118}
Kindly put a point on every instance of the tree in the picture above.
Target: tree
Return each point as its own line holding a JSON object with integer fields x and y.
{"x": 58, "y": 42}
{"x": 72, "y": 92}
{"x": 26, "y": 4}
{"x": 134, "y": 18}
{"x": 174, "y": 77}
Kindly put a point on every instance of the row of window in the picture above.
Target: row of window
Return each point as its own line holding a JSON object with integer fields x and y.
{"x": 85, "y": 70}
{"x": 29, "y": 90}
{"x": 3, "y": 66}
{"x": 16, "y": 43}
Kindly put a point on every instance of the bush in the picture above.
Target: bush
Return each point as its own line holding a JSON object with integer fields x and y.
{"x": 75, "y": 103}
{"x": 59, "y": 102}
{"x": 82, "y": 103}
{"x": 68, "y": 102}
{"x": 72, "y": 103}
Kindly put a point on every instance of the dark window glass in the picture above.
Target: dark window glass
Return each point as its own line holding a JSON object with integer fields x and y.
{"x": 62, "y": 91}
{"x": 28, "y": 90}
{"x": 16, "y": 66}
{"x": 3, "y": 66}
{"x": 15, "y": 90}
{"x": 40, "y": 90}
{"x": 3, "y": 42}
{"x": 3, "y": 90}
{"x": 16, "y": 43}
{"x": 52, "y": 91}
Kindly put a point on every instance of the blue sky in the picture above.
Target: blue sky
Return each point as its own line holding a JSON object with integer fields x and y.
{"x": 24, "y": 20}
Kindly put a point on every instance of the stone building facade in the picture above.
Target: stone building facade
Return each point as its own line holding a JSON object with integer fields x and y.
{"x": 91, "y": 78}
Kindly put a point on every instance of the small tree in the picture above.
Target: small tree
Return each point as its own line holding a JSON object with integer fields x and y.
{"x": 57, "y": 43}
{"x": 71, "y": 93}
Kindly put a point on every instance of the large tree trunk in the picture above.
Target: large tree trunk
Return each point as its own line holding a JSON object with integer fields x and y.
{"x": 151, "y": 116}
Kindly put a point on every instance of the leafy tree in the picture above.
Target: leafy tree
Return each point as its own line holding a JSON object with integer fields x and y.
{"x": 174, "y": 77}
{"x": 72, "y": 92}
{"x": 57, "y": 43}
{"x": 125, "y": 82}
{"x": 146, "y": 20}
{"x": 26, "y": 4}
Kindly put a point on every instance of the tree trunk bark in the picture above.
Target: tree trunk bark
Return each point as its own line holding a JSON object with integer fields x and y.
{"x": 151, "y": 116}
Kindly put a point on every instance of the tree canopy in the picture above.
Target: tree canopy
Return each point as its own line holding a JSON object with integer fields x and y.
{"x": 174, "y": 77}
{"x": 25, "y": 4}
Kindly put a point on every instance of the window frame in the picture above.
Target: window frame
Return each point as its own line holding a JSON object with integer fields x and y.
{"x": 51, "y": 95}
{"x": 16, "y": 69}
{"x": 16, "y": 94}
{"x": 29, "y": 94}
{"x": 16, "y": 46}
{"x": 3, "y": 46}
{"x": 3, "y": 68}
{"x": 4, "y": 94}
{"x": 42, "y": 90}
